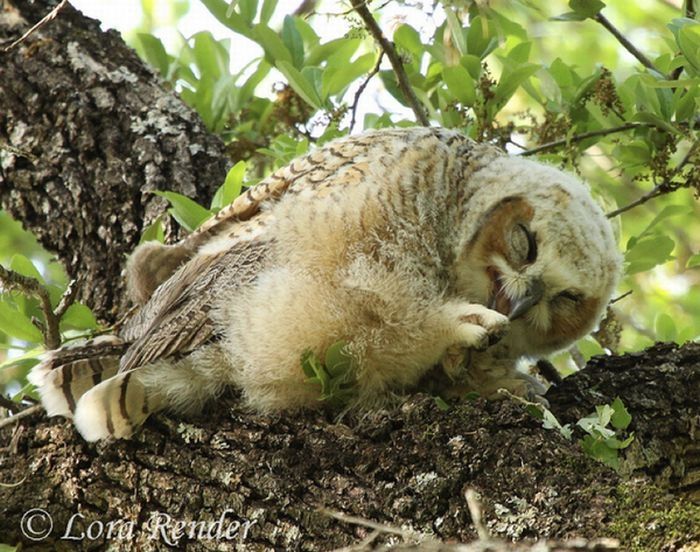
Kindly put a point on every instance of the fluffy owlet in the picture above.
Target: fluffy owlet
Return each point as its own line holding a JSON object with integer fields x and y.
{"x": 415, "y": 247}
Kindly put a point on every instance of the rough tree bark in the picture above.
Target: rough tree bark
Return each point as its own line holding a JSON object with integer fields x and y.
{"x": 80, "y": 119}
{"x": 87, "y": 133}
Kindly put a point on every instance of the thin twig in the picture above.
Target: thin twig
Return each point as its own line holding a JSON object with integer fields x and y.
{"x": 659, "y": 189}
{"x": 622, "y": 39}
{"x": 621, "y": 297}
{"x": 11, "y": 406}
{"x": 43, "y": 21}
{"x": 13, "y": 280}
{"x": 362, "y": 87}
{"x": 23, "y": 414}
{"x": 404, "y": 85}
{"x": 68, "y": 298}
{"x": 354, "y": 520}
{"x": 665, "y": 187}
{"x": 475, "y": 512}
{"x": 13, "y": 485}
{"x": 583, "y": 136}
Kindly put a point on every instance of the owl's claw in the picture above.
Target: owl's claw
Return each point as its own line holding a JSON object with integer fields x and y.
{"x": 478, "y": 327}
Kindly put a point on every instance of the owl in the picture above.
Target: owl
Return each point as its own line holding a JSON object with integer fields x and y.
{"x": 415, "y": 248}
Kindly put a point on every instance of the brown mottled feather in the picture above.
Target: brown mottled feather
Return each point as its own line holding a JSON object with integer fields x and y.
{"x": 176, "y": 320}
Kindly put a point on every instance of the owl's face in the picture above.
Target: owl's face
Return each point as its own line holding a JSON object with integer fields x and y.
{"x": 542, "y": 253}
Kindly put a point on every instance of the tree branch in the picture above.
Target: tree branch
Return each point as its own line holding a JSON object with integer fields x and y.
{"x": 43, "y": 21}
{"x": 117, "y": 136}
{"x": 12, "y": 280}
{"x": 362, "y": 87}
{"x": 360, "y": 7}
{"x": 631, "y": 48}
{"x": 583, "y": 136}
{"x": 665, "y": 187}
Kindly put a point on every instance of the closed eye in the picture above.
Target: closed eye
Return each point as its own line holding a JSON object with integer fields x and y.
{"x": 531, "y": 256}
{"x": 570, "y": 295}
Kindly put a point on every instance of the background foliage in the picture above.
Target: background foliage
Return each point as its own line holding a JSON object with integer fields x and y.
{"x": 609, "y": 90}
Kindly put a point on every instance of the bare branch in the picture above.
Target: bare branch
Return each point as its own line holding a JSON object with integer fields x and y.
{"x": 362, "y": 87}
{"x": 68, "y": 298}
{"x": 621, "y": 297}
{"x": 665, "y": 187}
{"x": 23, "y": 414}
{"x": 622, "y": 39}
{"x": 12, "y": 280}
{"x": 583, "y": 136}
{"x": 360, "y": 7}
{"x": 43, "y": 21}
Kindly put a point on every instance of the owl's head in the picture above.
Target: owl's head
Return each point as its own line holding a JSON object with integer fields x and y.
{"x": 536, "y": 247}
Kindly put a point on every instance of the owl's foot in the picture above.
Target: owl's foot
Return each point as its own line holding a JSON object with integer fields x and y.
{"x": 476, "y": 326}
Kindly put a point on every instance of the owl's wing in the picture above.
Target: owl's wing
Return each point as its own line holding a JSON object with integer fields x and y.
{"x": 316, "y": 169}
{"x": 176, "y": 319}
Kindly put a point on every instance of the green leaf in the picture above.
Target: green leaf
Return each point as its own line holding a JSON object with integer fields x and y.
{"x": 25, "y": 267}
{"x": 649, "y": 252}
{"x": 597, "y": 449}
{"x": 521, "y": 52}
{"x": 300, "y": 84}
{"x": 550, "y": 421}
{"x": 688, "y": 39}
{"x": 589, "y": 347}
{"x": 471, "y": 64}
{"x": 604, "y": 413}
{"x": 247, "y": 9}
{"x": 666, "y": 212}
{"x": 344, "y": 76}
{"x": 686, "y": 107}
{"x": 665, "y": 327}
{"x": 693, "y": 261}
{"x": 268, "y": 8}
{"x": 186, "y": 212}
{"x": 510, "y": 82}
{"x": 457, "y": 32}
{"x": 153, "y": 232}
{"x": 152, "y": 49}
{"x": 441, "y": 404}
{"x": 460, "y": 84}
{"x": 229, "y": 18}
{"x": 275, "y": 50}
{"x": 15, "y": 324}
{"x": 569, "y": 16}
{"x": 231, "y": 188}
{"x": 292, "y": 40}
{"x": 621, "y": 418}
{"x": 658, "y": 122}
{"x": 408, "y": 38}
{"x": 78, "y": 317}
{"x": 633, "y": 153}
{"x": 586, "y": 8}
{"x": 210, "y": 55}
{"x": 338, "y": 361}
{"x": 480, "y": 43}
{"x": 343, "y": 48}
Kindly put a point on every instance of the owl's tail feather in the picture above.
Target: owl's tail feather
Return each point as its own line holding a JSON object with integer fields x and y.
{"x": 83, "y": 382}
{"x": 115, "y": 408}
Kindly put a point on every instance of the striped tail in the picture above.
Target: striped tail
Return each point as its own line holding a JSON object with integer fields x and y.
{"x": 115, "y": 408}
{"x": 83, "y": 382}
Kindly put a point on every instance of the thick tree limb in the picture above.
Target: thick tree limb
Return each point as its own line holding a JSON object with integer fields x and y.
{"x": 407, "y": 468}
{"x": 99, "y": 134}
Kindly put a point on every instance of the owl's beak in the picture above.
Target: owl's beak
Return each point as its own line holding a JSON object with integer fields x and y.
{"x": 533, "y": 295}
